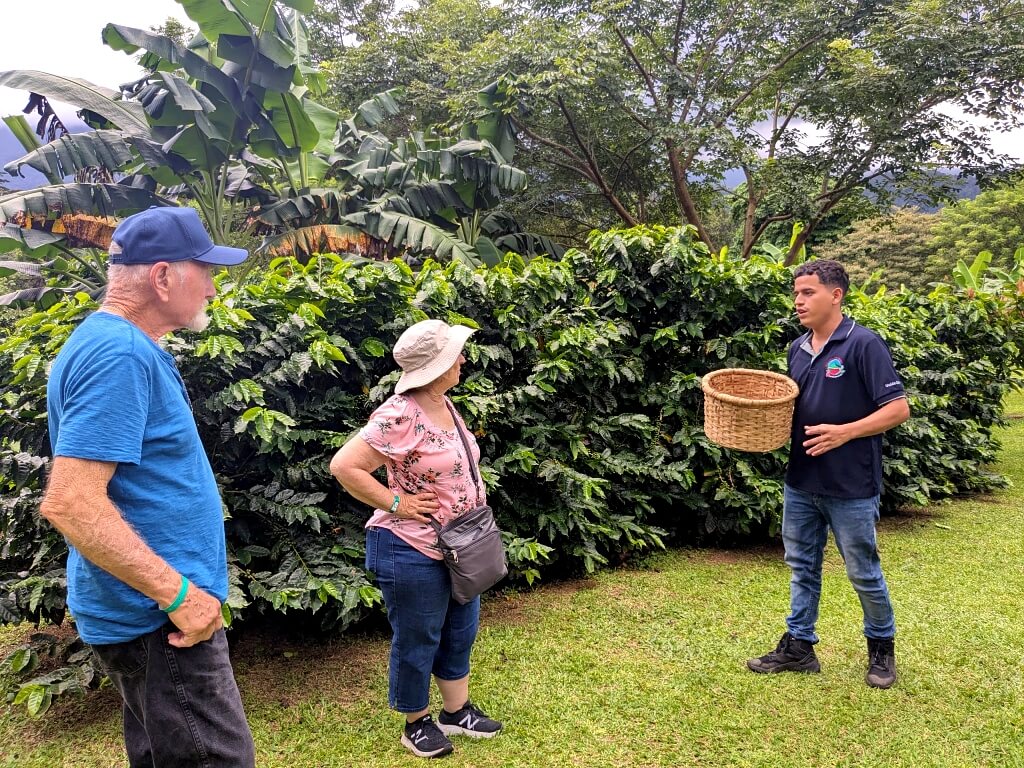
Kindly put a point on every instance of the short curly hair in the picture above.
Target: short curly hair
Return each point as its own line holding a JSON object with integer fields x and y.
{"x": 830, "y": 273}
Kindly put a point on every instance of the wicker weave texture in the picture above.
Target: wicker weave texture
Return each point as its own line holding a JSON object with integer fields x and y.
{"x": 748, "y": 410}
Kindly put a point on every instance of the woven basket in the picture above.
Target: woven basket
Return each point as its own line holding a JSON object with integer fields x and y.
{"x": 748, "y": 410}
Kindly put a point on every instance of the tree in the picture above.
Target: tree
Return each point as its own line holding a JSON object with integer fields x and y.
{"x": 426, "y": 50}
{"x": 898, "y": 246}
{"x": 993, "y": 221}
{"x": 335, "y": 26}
{"x": 649, "y": 104}
{"x": 175, "y": 30}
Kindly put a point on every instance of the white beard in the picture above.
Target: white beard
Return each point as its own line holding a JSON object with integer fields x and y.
{"x": 199, "y": 322}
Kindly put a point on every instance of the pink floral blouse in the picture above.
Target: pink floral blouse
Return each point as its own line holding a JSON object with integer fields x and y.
{"x": 421, "y": 457}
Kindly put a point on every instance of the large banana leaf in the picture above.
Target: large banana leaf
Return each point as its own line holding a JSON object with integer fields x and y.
{"x": 197, "y": 149}
{"x": 508, "y": 235}
{"x": 36, "y": 242}
{"x": 528, "y": 244}
{"x": 69, "y": 154}
{"x": 311, "y": 76}
{"x": 247, "y": 17}
{"x": 171, "y": 100}
{"x": 101, "y": 199}
{"x": 126, "y": 115}
{"x": 175, "y": 56}
{"x": 434, "y": 198}
{"x": 291, "y": 123}
{"x": 368, "y": 173}
{"x": 323, "y": 238}
{"x": 8, "y": 268}
{"x": 379, "y": 106}
{"x": 320, "y": 204}
{"x": 410, "y": 233}
{"x": 495, "y": 126}
{"x": 241, "y": 50}
{"x": 326, "y": 122}
{"x": 484, "y": 173}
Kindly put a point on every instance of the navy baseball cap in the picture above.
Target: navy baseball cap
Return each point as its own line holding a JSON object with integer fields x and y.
{"x": 168, "y": 234}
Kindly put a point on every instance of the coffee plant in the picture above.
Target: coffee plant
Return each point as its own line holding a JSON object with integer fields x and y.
{"x": 583, "y": 388}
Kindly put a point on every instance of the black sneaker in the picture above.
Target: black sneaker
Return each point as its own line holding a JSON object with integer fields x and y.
{"x": 423, "y": 738}
{"x": 469, "y": 721}
{"x": 790, "y": 655}
{"x": 881, "y": 663}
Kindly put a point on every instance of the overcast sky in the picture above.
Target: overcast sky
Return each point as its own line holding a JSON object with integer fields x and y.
{"x": 63, "y": 37}
{"x": 68, "y": 43}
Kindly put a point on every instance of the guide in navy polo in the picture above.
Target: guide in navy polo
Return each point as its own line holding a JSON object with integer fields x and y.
{"x": 849, "y": 379}
{"x": 132, "y": 491}
{"x": 850, "y": 393}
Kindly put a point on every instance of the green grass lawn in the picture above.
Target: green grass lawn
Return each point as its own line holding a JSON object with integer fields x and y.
{"x": 645, "y": 666}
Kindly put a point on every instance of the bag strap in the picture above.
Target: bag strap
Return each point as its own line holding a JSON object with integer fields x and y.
{"x": 469, "y": 452}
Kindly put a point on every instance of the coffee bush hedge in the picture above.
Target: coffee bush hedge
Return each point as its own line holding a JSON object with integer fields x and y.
{"x": 582, "y": 387}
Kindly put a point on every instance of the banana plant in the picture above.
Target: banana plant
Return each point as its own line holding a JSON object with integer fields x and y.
{"x": 970, "y": 278}
{"x": 54, "y": 268}
{"x": 231, "y": 121}
{"x": 206, "y": 119}
{"x": 419, "y": 193}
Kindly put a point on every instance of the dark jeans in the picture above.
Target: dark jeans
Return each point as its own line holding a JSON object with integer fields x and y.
{"x": 432, "y": 634}
{"x": 181, "y": 705}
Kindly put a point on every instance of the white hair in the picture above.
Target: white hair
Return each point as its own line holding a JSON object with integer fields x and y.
{"x": 133, "y": 276}
{"x": 127, "y": 277}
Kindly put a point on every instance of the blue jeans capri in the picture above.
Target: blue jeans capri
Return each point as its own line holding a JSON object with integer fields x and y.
{"x": 431, "y": 633}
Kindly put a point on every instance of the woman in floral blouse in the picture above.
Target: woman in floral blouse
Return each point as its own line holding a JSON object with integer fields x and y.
{"x": 414, "y": 435}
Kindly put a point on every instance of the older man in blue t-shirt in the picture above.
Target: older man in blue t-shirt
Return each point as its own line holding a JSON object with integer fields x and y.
{"x": 850, "y": 394}
{"x": 133, "y": 493}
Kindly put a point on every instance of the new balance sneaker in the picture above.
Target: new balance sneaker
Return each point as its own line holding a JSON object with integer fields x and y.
{"x": 468, "y": 721}
{"x": 790, "y": 655}
{"x": 423, "y": 738}
{"x": 881, "y": 663}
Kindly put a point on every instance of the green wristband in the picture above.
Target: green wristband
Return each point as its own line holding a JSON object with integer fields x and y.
{"x": 180, "y": 598}
{"x": 395, "y": 503}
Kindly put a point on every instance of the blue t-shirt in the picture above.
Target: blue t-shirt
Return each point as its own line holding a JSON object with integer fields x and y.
{"x": 850, "y": 378}
{"x": 116, "y": 396}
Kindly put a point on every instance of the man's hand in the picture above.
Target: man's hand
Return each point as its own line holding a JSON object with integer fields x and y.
{"x": 197, "y": 618}
{"x": 826, "y": 437}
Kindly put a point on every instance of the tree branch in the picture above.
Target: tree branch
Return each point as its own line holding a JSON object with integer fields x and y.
{"x": 651, "y": 90}
{"x": 595, "y": 169}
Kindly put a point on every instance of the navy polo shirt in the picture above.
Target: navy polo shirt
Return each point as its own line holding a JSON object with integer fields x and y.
{"x": 850, "y": 378}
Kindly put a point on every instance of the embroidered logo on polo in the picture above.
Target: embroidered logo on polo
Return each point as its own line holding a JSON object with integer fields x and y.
{"x": 834, "y": 368}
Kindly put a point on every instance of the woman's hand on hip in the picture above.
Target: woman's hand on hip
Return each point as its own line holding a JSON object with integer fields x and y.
{"x": 416, "y": 506}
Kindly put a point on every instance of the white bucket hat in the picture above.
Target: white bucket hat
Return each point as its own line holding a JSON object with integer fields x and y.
{"x": 426, "y": 350}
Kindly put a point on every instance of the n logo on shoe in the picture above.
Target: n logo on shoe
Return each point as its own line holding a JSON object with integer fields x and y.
{"x": 469, "y": 722}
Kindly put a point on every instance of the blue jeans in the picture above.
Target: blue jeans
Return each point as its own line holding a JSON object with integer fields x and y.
{"x": 181, "y": 705}
{"x": 432, "y": 634}
{"x": 806, "y": 519}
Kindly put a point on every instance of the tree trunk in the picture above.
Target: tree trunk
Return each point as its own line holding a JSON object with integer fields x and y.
{"x": 686, "y": 204}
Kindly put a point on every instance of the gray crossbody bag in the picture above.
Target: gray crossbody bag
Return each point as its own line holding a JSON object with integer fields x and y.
{"x": 471, "y": 543}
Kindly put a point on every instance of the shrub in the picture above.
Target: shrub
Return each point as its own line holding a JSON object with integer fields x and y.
{"x": 583, "y": 389}
{"x": 993, "y": 221}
